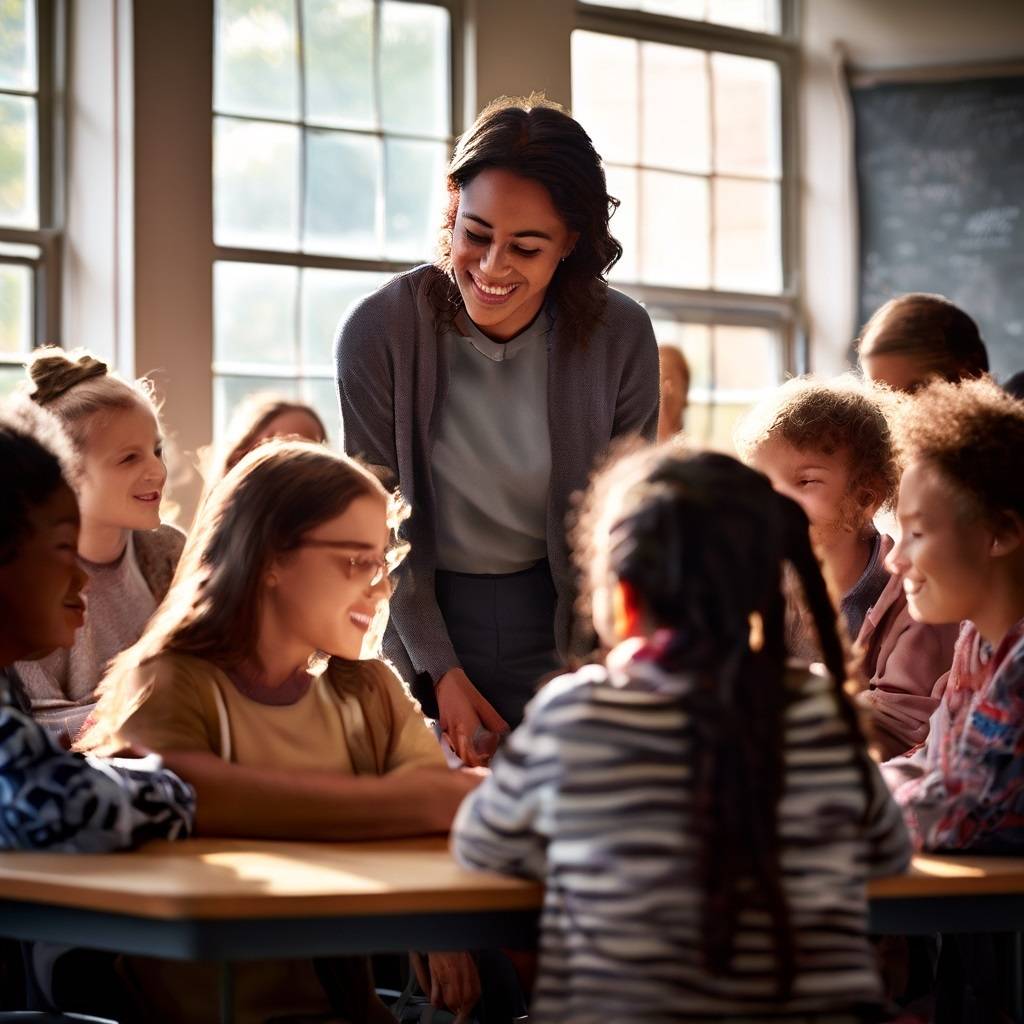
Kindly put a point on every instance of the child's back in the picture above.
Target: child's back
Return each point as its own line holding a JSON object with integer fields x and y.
{"x": 704, "y": 816}
{"x": 606, "y": 757}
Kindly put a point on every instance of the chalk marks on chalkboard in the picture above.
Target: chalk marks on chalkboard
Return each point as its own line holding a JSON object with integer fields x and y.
{"x": 940, "y": 183}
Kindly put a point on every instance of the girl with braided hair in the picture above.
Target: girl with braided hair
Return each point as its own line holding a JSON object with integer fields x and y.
{"x": 702, "y": 810}
{"x": 128, "y": 554}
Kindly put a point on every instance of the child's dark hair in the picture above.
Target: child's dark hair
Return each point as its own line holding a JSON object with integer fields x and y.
{"x": 536, "y": 139}
{"x": 829, "y": 416}
{"x": 930, "y": 330}
{"x": 974, "y": 433}
{"x": 34, "y": 455}
{"x": 703, "y": 540}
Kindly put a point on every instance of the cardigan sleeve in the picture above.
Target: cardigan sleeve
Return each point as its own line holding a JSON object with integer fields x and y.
{"x": 636, "y": 404}
{"x": 376, "y": 418}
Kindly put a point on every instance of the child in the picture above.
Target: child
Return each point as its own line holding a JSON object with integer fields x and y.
{"x": 919, "y": 337}
{"x": 90, "y": 805}
{"x": 249, "y": 682}
{"x": 704, "y": 816}
{"x": 128, "y": 555}
{"x": 961, "y": 553}
{"x": 828, "y": 446}
{"x": 257, "y": 418}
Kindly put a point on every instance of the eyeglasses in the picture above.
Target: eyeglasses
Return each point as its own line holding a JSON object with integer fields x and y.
{"x": 375, "y": 570}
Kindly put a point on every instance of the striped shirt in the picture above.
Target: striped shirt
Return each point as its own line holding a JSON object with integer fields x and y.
{"x": 592, "y": 794}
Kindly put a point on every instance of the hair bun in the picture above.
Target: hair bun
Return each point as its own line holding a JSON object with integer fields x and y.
{"x": 54, "y": 372}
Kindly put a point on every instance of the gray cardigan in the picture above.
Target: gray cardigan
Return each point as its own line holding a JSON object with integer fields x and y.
{"x": 392, "y": 382}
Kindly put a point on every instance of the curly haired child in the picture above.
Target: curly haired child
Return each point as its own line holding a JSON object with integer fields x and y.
{"x": 827, "y": 444}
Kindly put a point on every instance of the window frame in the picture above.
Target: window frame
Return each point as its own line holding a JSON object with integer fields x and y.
{"x": 778, "y": 312}
{"x": 47, "y": 238}
{"x": 299, "y": 258}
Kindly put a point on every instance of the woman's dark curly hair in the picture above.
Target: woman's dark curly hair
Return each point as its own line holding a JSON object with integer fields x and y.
{"x": 703, "y": 540}
{"x": 973, "y": 432}
{"x": 829, "y": 416}
{"x": 536, "y": 139}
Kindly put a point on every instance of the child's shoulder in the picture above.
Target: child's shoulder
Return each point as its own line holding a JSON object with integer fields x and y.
{"x": 157, "y": 553}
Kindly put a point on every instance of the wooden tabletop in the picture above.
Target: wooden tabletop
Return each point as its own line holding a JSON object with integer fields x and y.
{"x": 232, "y": 878}
{"x": 225, "y": 878}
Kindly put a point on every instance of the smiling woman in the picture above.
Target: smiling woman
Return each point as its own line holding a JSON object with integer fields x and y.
{"x": 128, "y": 554}
{"x": 486, "y": 386}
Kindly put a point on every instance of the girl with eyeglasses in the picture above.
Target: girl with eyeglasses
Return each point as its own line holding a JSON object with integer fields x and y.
{"x": 252, "y": 683}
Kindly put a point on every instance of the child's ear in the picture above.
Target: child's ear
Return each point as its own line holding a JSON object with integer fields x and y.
{"x": 1007, "y": 534}
{"x": 868, "y": 500}
{"x": 625, "y": 610}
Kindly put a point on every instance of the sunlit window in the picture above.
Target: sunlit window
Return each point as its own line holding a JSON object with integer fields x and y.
{"x": 690, "y": 140}
{"x": 20, "y": 255}
{"x": 689, "y": 124}
{"x": 753, "y": 15}
{"x": 332, "y": 128}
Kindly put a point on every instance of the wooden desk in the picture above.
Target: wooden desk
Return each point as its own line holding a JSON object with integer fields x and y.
{"x": 244, "y": 899}
{"x": 950, "y": 894}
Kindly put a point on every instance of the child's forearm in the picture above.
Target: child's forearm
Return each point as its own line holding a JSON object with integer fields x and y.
{"x": 236, "y": 800}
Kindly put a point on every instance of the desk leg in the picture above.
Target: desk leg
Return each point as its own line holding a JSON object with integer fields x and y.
{"x": 227, "y": 993}
{"x": 1017, "y": 976}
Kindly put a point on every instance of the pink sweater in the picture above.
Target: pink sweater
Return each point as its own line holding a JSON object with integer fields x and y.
{"x": 905, "y": 665}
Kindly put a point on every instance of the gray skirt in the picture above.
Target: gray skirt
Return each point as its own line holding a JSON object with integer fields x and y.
{"x": 503, "y": 630}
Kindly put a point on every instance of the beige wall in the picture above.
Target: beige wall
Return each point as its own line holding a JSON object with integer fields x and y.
{"x": 875, "y": 34}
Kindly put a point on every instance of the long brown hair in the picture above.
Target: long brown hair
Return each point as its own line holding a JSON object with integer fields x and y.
{"x": 261, "y": 510}
{"x": 703, "y": 540}
{"x": 534, "y": 138}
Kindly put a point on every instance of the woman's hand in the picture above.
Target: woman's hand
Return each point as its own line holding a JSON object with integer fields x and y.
{"x": 451, "y": 980}
{"x": 468, "y": 721}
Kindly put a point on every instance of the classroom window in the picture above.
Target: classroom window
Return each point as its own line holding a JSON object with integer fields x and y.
{"x": 753, "y": 15}
{"x": 690, "y": 126}
{"x": 332, "y": 128}
{"x": 27, "y": 236}
{"x": 731, "y": 368}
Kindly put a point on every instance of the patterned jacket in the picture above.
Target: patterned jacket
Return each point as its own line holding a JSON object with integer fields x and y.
{"x": 964, "y": 790}
{"x": 61, "y": 802}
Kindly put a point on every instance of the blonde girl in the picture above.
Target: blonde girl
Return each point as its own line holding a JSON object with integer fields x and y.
{"x": 250, "y": 683}
{"x": 128, "y": 554}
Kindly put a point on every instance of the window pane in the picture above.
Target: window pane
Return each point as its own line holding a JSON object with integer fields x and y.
{"x": 327, "y": 296}
{"x": 675, "y": 115}
{"x": 256, "y": 201}
{"x": 414, "y": 65}
{"x": 746, "y": 358}
{"x": 622, "y": 184}
{"x": 342, "y": 174}
{"x": 228, "y": 392}
{"x": 18, "y": 169}
{"x": 415, "y": 186}
{"x": 746, "y": 92}
{"x": 15, "y": 308}
{"x": 18, "y": 45}
{"x": 605, "y": 93}
{"x": 755, "y": 15}
{"x": 694, "y": 340}
{"x": 254, "y": 313}
{"x": 338, "y": 50}
{"x": 256, "y": 58}
{"x": 322, "y": 394}
{"x": 10, "y": 378}
{"x": 747, "y": 245}
{"x": 674, "y": 238}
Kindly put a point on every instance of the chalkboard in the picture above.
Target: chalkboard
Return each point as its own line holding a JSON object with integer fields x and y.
{"x": 940, "y": 180}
